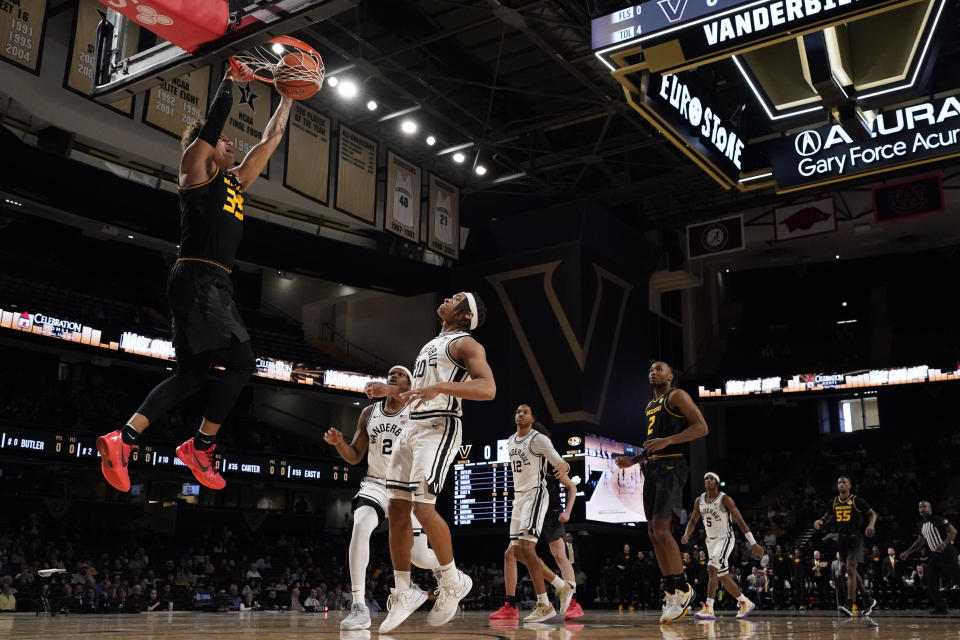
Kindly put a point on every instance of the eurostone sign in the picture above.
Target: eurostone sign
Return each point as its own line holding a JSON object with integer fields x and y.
{"x": 679, "y": 34}
{"x": 898, "y": 138}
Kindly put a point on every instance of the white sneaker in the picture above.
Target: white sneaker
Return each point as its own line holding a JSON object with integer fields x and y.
{"x": 667, "y": 606}
{"x": 565, "y": 595}
{"x": 448, "y": 597}
{"x": 359, "y": 617}
{"x": 541, "y": 612}
{"x": 404, "y": 603}
{"x": 678, "y": 605}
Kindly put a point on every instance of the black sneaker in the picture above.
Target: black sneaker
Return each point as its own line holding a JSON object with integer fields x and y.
{"x": 845, "y": 611}
{"x": 871, "y": 603}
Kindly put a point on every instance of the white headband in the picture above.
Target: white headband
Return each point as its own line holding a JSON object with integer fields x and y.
{"x": 473, "y": 309}
{"x": 404, "y": 369}
{"x": 711, "y": 474}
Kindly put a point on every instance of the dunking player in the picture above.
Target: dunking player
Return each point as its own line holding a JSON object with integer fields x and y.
{"x": 379, "y": 429}
{"x": 719, "y": 514}
{"x": 673, "y": 420}
{"x": 450, "y": 368}
{"x": 552, "y": 532}
{"x": 846, "y": 511}
{"x": 206, "y": 323}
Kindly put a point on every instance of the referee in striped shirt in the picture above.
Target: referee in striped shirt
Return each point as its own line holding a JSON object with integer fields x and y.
{"x": 938, "y": 534}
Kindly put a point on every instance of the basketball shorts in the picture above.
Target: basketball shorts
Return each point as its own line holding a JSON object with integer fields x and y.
{"x": 419, "y": 465}
{"x": 719, "y": 550}
{"x": 373, "y": 493}
{"x": 663, "y": 481}
{"x": 529, "y": 512}
{"x": 205, "y": 316}
{"x": 553, "y": 529}
{"x": 850, "y": 543}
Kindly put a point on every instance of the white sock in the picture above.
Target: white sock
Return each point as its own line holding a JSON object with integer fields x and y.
{"x": 357, "y": 595}
{"x": 402, "y": 580}
{"x": 573, "y": 584}
{"x": 448, "y": 572}
{"x": 557, "y": 582}
{"x": 742, "y": 598}
{"x": 542, "y": 598}
{"x": 709, "y": 602}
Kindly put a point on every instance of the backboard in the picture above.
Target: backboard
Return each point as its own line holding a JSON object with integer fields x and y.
{"x": 188, "y": 37}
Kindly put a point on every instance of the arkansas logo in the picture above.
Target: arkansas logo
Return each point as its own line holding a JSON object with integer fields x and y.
{"x": 805, "y": 219}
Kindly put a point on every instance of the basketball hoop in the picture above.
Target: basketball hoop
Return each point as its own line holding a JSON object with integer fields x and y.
{"x": 271, "y": 62}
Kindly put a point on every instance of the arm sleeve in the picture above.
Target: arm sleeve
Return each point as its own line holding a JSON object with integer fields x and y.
{"x": 217, "y": 116}
{"x": 542, "y": 446}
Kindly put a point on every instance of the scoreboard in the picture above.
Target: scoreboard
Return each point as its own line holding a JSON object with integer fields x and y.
{"x": 35, "y": 443}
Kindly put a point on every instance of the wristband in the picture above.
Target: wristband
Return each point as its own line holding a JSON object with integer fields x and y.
{"x": 749, "y": 536}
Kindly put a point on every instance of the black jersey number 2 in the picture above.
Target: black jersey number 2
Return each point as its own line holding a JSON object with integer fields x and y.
{"x": 386, "y": 446}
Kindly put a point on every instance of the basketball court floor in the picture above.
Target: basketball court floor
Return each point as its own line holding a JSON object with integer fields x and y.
{"x": 474, "y": 625}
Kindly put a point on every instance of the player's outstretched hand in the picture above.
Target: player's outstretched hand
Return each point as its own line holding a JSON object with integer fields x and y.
{"x": 685, "y": 538}
{"x": 333, "y": 436}
{"x": 757, "y": 550}
{"x": 817, "y": 524}
{"x": 904, "y": 555}
{"x": 869, "y": 532}
{"x": 375, "y": 389}
{"x": 624, "y": 462}
{"x": 419, "y": 396}
{"x": 238, "y": 72}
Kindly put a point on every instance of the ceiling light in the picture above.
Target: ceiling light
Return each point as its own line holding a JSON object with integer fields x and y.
{"x": 837, "y": 256}
{"x": 459, "y": 157}
{"x": 480, "y": 169}
{"x": 129, "y": 236}
{"x": 409, "y": 127}
{"x": 726, "y": 270}
{"x": 277, "y": 48}
{"x": 347, "y": 89}
{"x": 431, "y": 140}
{"x": 333, "y": 81}
{"x": 372, "y": 105}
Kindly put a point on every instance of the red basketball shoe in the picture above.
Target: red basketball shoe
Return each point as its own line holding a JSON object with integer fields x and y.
{"x": 506, "y": 612}
{"x": 115, "y": 455}
{"x": 201, "y": 463}
{"x": 573, "y": 611}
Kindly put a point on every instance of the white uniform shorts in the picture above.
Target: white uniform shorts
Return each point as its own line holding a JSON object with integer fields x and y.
{"x": 719, "y": 550}
{"x": 374, "y": 493}
{"x": 529, "y": 510}
{"x": 419, "y": 466}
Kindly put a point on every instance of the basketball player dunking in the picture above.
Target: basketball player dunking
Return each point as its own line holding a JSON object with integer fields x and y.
{"x": 378, "y": 433}
{"x": 206, "y": 323}
{"x": 719, "y": 514}
{"x": 673, "y": 420}
{"x": 450, "y": 368}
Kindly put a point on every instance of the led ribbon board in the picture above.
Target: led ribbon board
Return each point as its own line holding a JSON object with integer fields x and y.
{"x": 674, "y": 35}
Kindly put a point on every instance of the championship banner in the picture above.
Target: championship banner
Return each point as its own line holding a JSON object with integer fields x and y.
{"x": 248, "y": 118}
{"x": 805, "y": 219}
{"x": 403, "y": 198}
{"x": 910, "y": 135}
{"x": 21, "y": 32}
{"x": 173, "y": 106}
{"x": 357, "y": 176}
{"x": 712, "y": 238}
{"x": 906, "y": 198}
{"x": 444, "y": 235}
{"x": 79, "y": 76}
{"x": 307, "y": 169}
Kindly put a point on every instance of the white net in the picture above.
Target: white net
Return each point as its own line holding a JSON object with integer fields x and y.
{"x": 282, "y": 62}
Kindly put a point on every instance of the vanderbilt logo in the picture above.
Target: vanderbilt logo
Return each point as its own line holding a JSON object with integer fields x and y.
{"x": 465, "y": 451}
{"x": 602, "y": 335}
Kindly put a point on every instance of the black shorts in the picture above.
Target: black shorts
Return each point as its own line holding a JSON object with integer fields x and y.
{"x": 848, "y": 543}
{"x": 364, "y": 501}
{"x": 552, "y": 528}
{"x": 663, "y": 482}
{"x": 205, "y": 316}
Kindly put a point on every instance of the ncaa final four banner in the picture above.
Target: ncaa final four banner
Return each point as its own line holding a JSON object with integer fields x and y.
{"x": 403, "y": 198}
{"x": 444, "y": 234}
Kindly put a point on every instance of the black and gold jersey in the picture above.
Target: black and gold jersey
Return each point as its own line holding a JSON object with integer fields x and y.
{"x": 664, "y": 420}
{"x": 847, "y": 514}
{"x": 211, "y": 219}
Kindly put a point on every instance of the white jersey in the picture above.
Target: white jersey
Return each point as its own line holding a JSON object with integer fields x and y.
{"x": 443, "y": 220}
{"x": 403, "y": 199}
{"x": 528, "y": 460}
{"x": 384, "y": 430}
{"x": 434, "y": 365}
{"x": 716, "y": 518}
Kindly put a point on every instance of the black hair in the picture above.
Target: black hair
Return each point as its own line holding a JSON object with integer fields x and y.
{"x": 847, "y": 478}
{"x": 464, "y": 308}
{"x": 539, "y": 426}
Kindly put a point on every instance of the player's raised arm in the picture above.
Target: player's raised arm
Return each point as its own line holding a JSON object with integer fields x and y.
{"x": 199, "y": 153}
{"x": 256, "y": 159}
{"x": 737, "y": 517}
{"x": 352, "y": 453}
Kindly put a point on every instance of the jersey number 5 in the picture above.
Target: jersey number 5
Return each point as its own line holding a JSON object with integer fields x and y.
{"x": 386, "y": 446}
{"x": 708, "y": 521}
